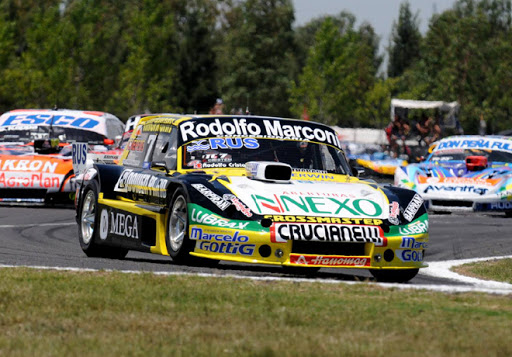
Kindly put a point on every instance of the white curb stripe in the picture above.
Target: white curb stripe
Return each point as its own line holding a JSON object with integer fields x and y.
{"x": 442, "y": 269}
{"x": 436, "y": 269}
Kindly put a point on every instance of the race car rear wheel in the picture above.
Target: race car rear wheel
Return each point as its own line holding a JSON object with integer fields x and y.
{"x": 178, "y": 242}
{"x": 394, "y": 276}
{"x": 88, "y": 226}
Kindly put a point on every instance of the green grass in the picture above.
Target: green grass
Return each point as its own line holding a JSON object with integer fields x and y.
{"x": 47, "y": 313}
{"x": 497, "y": 269}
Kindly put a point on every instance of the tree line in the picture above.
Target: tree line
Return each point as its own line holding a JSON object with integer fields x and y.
{"x": 137, "y": 56}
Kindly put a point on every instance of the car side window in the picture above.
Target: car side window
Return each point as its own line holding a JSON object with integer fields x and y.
{"x": 140, "y": 148}
{"x": 166, "y": 148}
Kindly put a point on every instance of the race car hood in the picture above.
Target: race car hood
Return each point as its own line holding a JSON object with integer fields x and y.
{"x": 311, "y": 198}
{"x": 34, "y": 171}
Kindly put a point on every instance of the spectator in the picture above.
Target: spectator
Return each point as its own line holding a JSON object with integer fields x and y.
{"x": 394, "y": 132}
{"x": 429, "y": 129}
{"x": 218, "y": 108}
{"x": 435, "y": 132}
{"x": 422, "y": 128}
{"x": 482, "y": 130}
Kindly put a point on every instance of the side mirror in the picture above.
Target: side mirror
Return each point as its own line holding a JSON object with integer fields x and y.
{"x": 159, "y": 165}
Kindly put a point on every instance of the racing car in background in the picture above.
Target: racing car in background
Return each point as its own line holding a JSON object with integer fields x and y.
{"x": 464, "y": 173}
{"x": 35, "y": 152}
{"x": 112, "y": 154}
{"x": 205, "y": 188}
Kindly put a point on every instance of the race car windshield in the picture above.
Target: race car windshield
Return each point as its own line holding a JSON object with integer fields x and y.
{"x": 460, "y": 155}
{"x": 27, "y": 134}
{"x": 235, "y": 152}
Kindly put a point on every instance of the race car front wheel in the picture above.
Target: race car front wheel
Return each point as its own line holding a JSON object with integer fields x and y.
{"x": 88, "y": 226}
{"x": 178, "y": 243}
{"x": 394, "y": 276}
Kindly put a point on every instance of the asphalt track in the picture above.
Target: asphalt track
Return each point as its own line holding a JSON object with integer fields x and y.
{"x": 47, "y": 237}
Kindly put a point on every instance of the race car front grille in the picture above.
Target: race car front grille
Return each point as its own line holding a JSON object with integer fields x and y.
{"x": 22, "y": 193}
{"x": 452, "y": 203}
{"x": 328, "y": 248}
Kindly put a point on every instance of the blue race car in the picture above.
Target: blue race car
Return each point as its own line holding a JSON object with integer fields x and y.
{"x": 463, "y": 173}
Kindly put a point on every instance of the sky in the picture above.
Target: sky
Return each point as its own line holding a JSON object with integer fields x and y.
{"x": 379, "y": 13}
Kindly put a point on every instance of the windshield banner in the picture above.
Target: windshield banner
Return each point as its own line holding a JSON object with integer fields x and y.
{"x": 271, "y": 128}
{"x": 483, "y": 143}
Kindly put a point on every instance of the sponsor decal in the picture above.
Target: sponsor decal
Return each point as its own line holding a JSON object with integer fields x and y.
{"x": 228, "y": 248}
{"x": 283, "y": 232}
{"x": 412, "y": 243}
{"x": 139, "y": 183}
{"x": 199, "y": 216}
{"x": 333, "y": 220}
{"x": 300, "y": 170}
{"x": 413, "y": 207}
{"x": 324, "y": 194}
{"x": 198, "y": 145}
{"x": 239, "y": 205}
{"x": 28, "y": 165}
{"x": 504, "y": 194}
{"x": 118, "y": 223}
{"x": 317, "y": 205}
{"x": 28, "y": 180}
{"x": 468, "y": 189}
{"x": 197, "y": 233}
{"x": 157, "y": 127}
{"x": 418, "y": 227}
{"x": 212, "y": 196}
{"x": 51, "y": 119}
{"x": 331, "y": 260}
{"x": 223, "y": 143}
{"x": 79, "y": 155}
{"x": 408, "y": 255}
{"x": 217, "y": 157}
{"x": 135, "y": 145}
{"x": 394, "y": 213}
{"x": 309, "y": 176}
{"x": 208, "y": 165}
{"x": 271, "y": 128}
{"x": 476, "y": 144}
{"x": 501, "y": 205}
{"x": 458, "y": 180}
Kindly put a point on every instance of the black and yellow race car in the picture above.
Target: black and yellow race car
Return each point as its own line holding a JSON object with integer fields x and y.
{"x": 248, "y": 189}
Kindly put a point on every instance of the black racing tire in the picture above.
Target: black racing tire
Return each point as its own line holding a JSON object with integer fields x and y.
{"x": 88, "y": 226}
{"x": 179, "y": 245}
{"x": 394, "y": 276}
{"x": 508, "y": 214}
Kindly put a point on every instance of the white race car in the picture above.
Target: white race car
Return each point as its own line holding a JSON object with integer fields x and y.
{"x": 35, "y": 152}
{"x": 464, "y": 173}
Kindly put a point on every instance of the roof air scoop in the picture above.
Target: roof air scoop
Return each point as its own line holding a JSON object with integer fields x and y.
{"x": 268, "y": 171}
